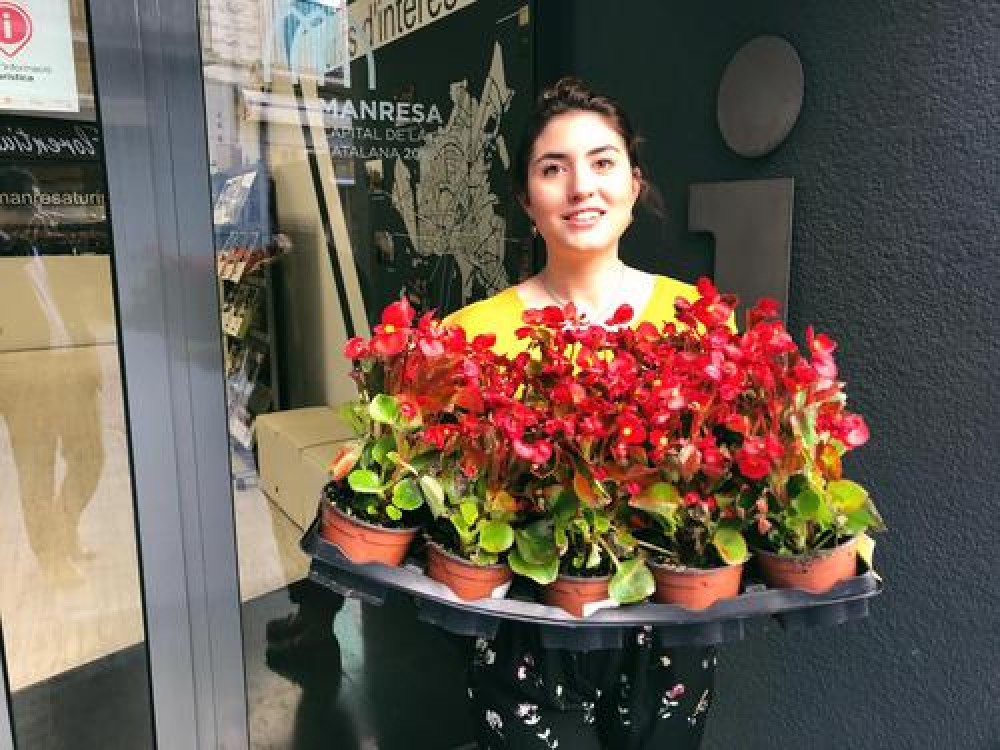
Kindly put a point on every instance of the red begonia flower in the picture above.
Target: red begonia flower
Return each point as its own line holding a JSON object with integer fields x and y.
{"x": 388, "y": 340}
{"x": 399, "y": 314}
{"x": 622, "y": 315}
{"x": 356, "y": 348}
{"x": 765, "y": 309}
{"x": 631, "y": 429}
{"x": 538, "y": 452}
{"x": 853, "y": 430}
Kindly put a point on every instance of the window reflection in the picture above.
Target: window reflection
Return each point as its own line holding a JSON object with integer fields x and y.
{"x": 362, "y": 150}
{"x": 73, "y": 627}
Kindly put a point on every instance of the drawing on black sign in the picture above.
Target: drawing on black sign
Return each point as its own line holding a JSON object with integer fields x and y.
{"x": 449, "y": 206}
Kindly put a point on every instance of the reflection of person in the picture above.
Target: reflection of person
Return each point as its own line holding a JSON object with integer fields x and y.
{"x": 578, "y": 178}
{"x": 18, "y": 190}
{"x": 53, "y": 412}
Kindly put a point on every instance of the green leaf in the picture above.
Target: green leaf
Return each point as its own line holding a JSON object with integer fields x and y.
{"x": 381, "y": 449}
{"x": 564, "y": 507}
{"x": 467, "y": 535}
{"x": 624, "y": 538}
{"x": 422, "y": 461}
{"x": 847, "y": 496}
{"x": 877, "y": 523}
{"x": 560, "y": 537}
{"x": 807, "y": 503}
{"x": 393, "y": 512}
{"x": 383, "y": 408}
{"x": 469, "y": 510}
{"x": 495, "y": 536}
{"x": 535, "y": 545}
{"x": 858, "y": 521}
{"x": 479, "y": 557}
{"x": 659, "y": 499}
{"x": 594, "y": 556}
{"x": 602, "y": 524}
{"x": 543, "y": 573}
{"x": 632, "y": 582}
{"x": 797, "y": 483}
{"x": 353, "y": 414}
{"x": 406, "y": 495}
{"x": 730, "y": 544}
{"x": 809, "y": 427}
{"x": 434, "y": 494}
{"x": 363, "y": 480}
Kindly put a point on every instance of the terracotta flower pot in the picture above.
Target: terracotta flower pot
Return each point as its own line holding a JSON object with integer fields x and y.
{"x": 572, "y": 593}
{"x": 695, "y": 588}
{"x": 468, "y": 580}
{"x": 363, "y": 542}
{"x": 815, "y": 572}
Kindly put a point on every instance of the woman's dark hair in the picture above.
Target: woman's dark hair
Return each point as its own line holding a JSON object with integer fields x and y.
{"x": 573, "y": 95}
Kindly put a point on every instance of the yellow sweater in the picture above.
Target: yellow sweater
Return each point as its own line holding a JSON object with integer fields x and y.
{"x": 501, "y": 314}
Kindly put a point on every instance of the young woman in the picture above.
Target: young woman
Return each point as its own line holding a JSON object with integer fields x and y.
{"x": 578, "y": 177}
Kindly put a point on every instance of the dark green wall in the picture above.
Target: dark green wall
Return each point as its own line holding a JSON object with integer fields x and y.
{"x": 895, "y": 252}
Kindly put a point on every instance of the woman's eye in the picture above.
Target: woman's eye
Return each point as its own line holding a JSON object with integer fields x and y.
{"x": 550, "y": 169}
{"x": 604, "y": 164}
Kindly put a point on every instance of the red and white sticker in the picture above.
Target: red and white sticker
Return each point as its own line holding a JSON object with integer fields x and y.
{"x": 15, "y": 28}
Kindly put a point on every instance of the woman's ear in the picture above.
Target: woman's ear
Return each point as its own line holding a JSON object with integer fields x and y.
{"x": 637, "y": 183}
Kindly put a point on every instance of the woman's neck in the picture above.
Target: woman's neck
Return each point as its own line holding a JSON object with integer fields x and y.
{"x": 592, "y": 283}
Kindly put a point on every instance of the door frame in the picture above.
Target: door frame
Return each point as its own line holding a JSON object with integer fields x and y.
{"x": 149, "y": 90}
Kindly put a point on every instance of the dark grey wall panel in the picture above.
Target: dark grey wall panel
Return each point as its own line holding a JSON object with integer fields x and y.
{"x": 895, "y": 252}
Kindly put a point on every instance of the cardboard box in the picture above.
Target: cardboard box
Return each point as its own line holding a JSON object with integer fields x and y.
{"x": 282, "y": 440}
{"x": 313, "y": 475}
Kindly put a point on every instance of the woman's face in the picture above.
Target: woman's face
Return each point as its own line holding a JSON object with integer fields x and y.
{"x": 581, "y": 185}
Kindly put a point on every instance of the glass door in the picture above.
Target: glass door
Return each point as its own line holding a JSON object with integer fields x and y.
{"x": 74, "y": 636}
{"x": 357, "y": 151}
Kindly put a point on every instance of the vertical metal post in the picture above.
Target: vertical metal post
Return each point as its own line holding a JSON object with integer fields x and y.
{"x": 150, "y": 99}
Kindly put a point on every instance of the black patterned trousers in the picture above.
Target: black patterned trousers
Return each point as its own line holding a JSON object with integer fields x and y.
{"x": 639, "y": 697}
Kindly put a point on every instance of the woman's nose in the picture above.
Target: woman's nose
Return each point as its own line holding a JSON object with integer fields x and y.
{"x": 582, "y": 184}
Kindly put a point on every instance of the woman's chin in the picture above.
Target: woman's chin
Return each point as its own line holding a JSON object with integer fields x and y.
{"x": 589, "y": 243}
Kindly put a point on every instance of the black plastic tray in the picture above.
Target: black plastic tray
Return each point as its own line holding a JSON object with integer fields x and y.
{"x": 673, "y": 625}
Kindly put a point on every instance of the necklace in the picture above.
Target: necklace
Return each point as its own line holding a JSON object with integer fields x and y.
{"x": 601, "y": 314}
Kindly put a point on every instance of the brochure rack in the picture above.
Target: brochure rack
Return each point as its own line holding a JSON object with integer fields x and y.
{"x": 673, "y": 625}
{"x": 247, "y": 250}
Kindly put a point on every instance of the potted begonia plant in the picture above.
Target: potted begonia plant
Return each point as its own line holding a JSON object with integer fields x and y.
{"x": 409, "y": 377}
{"x": 808, "y": 519}
{"x": 470, "y": 490}
{"x": 581, "y": 547}
{"x": 687, "y": 391}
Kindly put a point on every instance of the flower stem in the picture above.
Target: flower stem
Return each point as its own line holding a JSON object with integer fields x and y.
{"x": 607, "y": 548}
{"x": 653, "y": 547}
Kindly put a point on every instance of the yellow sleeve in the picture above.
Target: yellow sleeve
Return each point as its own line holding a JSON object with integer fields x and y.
{"x": 660, "y": 308}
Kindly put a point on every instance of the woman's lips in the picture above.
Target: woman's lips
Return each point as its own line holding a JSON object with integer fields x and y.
{"x": 584, "y": 217}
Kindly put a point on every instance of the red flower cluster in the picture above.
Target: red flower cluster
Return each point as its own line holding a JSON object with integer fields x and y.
{"x": 721, "y": 416}
{"x": 687, "y": 415}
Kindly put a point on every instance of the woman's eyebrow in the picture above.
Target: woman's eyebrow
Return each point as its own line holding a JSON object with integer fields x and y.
{"x": 560, "y": 156}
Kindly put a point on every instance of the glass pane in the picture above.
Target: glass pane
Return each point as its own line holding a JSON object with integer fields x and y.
{"x": 356, "y": 151}
{"x": 70, "y": 603}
